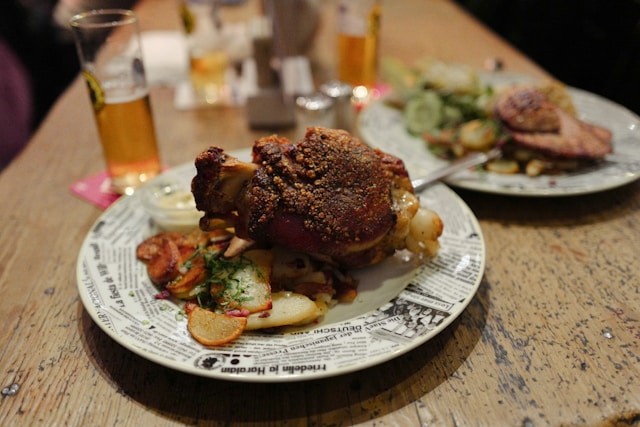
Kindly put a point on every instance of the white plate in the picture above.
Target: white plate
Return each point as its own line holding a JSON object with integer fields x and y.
{"x": 400, "y": 304}
{"x": 382, "y": 126}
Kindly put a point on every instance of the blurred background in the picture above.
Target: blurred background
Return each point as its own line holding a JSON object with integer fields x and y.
{"x": 38, "y": 60}
{"x": 589, "y": 44}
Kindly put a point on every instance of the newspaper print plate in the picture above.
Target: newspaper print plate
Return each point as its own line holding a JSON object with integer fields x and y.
{"x": 400, "y": 304}
{"x": 382, "y": 126}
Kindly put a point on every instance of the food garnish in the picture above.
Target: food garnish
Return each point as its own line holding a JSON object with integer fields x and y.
{"x": 266, "y": 288}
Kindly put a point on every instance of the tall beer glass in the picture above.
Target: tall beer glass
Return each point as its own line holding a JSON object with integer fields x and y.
{"x": 358, "y": 28}
{"x": 208, "y": 58}
{"x": 110, "y": 52}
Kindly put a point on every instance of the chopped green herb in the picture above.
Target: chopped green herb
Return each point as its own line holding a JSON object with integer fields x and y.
{"x": 222, "y": 289}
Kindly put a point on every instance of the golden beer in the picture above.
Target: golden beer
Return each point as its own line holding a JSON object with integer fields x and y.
{"x": 110, "y": 52}
{"x": 358, "y": 42}
{"x": 208, "y": 57}
{"x": 128, "y": 141}
{"x": 208, "y": 73}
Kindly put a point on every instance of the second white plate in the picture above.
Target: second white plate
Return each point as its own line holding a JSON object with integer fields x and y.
{"x": 382, "y": 126}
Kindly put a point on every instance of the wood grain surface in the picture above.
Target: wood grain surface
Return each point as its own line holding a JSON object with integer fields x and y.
{"x": 552, "y": 337}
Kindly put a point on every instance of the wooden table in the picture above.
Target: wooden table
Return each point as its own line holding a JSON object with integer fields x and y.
{"x": 552, "y": 337}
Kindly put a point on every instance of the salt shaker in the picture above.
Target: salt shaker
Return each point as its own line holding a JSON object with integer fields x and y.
{"x": 315, "y": 110}
{"x": 341, "y": 94}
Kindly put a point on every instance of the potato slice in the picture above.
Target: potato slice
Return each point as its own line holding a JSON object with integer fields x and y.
{"x": 503, "y": 166}
{"x": 183, "y": 286}
{"x": 289, "y": 308}
{"x": 257, "y": 288}
{"x": 163, "y": 267}
{"x": 212, "y": 329}
{"x": 249, "y": 287}
{"x": 149, "y": 248}
{"x": 289, "y": 265}
{"x": 477, "y": 135}
{"x": 535, "y": 167}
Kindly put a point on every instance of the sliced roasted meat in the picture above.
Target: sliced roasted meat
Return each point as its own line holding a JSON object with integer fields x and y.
{"x": 526, "y": 109}
{"x": 535, "y": 123}
{"x": 574, "y": 139}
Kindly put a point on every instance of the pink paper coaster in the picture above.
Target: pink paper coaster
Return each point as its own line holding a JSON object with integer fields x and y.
{"x": 96, "y": 190}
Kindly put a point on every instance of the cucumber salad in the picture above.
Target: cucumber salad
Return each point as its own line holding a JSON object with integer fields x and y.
{"x": 445, "y": 104}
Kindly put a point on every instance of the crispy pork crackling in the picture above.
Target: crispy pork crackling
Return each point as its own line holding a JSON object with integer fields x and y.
{"x": 327, "y": 195}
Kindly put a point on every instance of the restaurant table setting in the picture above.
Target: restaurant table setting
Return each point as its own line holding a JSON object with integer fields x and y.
{"x": 527, "y": 315}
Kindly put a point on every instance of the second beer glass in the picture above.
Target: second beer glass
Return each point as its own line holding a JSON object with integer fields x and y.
{"x": 358, "y": 28}
{"x": 208, "y": 58}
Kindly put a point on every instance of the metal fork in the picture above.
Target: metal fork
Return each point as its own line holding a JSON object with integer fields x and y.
{"x": 467, "y": 161}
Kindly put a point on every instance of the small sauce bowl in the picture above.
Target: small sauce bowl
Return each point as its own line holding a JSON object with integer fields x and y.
{"x": 170, "y": 205}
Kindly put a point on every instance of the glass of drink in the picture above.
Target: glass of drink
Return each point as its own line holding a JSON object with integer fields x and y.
{"x": 208, "y": 58}
{"x": 358, "y": 28}
{"x": 110, "y": 52}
